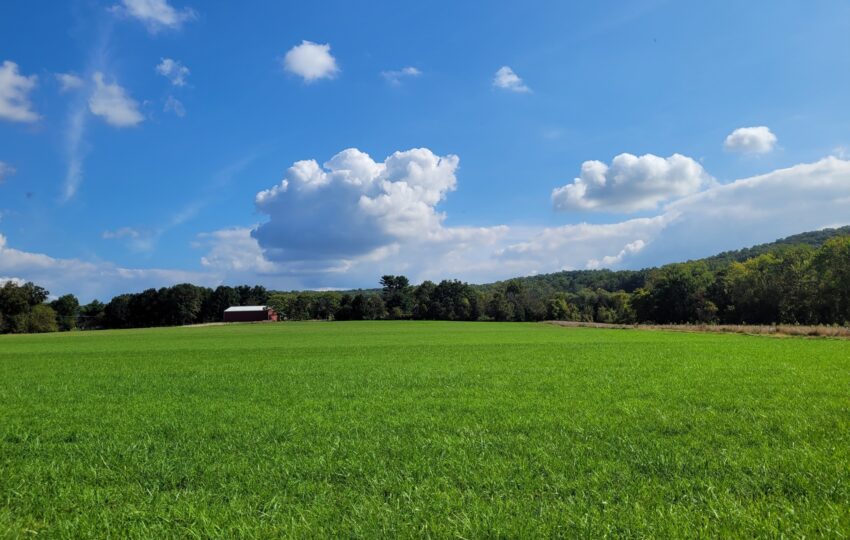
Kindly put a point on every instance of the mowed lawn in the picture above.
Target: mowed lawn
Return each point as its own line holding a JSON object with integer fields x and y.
{"x": 413, "y": 429}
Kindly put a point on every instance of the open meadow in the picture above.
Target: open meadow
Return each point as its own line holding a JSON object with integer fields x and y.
{"x": 442, "y": 429}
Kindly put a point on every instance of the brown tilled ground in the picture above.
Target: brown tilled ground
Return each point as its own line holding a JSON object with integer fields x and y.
{"x": 770, "y": 330}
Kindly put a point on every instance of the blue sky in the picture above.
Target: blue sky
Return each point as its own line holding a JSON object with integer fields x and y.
{"x": 137, "y": 135}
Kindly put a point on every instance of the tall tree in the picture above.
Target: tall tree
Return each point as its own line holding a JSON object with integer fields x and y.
{"x": 67, "y": 309}
{"x": 220, "y": 299}
{"x": 678, "y": 293}
{"x": 397, "y": 295}
{"x": 423, "y": 307}
{"x": 831, "y": 265}
{"x": 183, "y": 304}
{"x": 117, "y": 313}
{"x": 92, "y": 315}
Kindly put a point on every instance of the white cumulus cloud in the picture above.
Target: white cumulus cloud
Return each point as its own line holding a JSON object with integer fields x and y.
{"x": 311, "y": 61}
{"x": 751, "y": 140}
{"x": 507, "y": 79}
{"x": 112, "y": 103}
{"x": 155, "y": 14}
{"x": 14, "y": 94}
{"x": 631, "y": 183}
{"x": 353, "y": 204}
{"x": 173, "y": 70}
{"x": 234, "y": 250}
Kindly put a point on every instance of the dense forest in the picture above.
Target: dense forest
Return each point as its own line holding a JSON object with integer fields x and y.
{"x": 803, "y": 279}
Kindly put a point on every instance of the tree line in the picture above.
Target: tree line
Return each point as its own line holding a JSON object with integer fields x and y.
{"x": 24, "y": 308}
{"x": 787, "y": 283}
{"x": 791, "y": 284}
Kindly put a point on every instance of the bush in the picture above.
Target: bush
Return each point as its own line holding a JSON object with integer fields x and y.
{"x": 41, "y": 319}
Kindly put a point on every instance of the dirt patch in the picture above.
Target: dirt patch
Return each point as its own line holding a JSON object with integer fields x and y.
{"x": 761, "y": 330}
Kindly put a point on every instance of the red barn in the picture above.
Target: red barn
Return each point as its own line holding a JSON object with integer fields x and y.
{"x": 249, "y": 314}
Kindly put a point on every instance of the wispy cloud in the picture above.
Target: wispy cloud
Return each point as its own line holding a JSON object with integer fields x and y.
{"x": 136, "y": 240}
{"x": 69, "y": 81}
{"x": 123, "y": 232}
{"x": 74, "y": 137}
{"x": 172, "y": 104}
{"x": 6, "y": 171}
{"x": 395, "y": 77}
{"x": 75, "y": 149}
{"x": 173, "y": 70}
{"x": 156, "y": 15}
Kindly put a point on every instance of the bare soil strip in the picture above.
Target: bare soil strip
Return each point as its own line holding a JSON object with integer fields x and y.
{"x": 761, "y": 330}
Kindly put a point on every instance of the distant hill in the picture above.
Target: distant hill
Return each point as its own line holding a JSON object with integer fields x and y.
{"x": 575, "y": 280}
{"x": 572, "y": 281}
{"x": 814, "y": 239}
{"x": 629, "y": 280}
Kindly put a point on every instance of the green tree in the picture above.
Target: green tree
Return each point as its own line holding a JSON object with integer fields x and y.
{"x": 220, "y": 299}
{"x": 16, "y": 304}
{"x": 345, "y": 311}
{"x": 117, "y": 314}
{"x": 499, "y": 308}
{"x": 831, "y": 267}
{"x": 422, "y": 301}
{"x": 454, "y": 300}
{"x": 35, "y": 295}
{"x": 182, "y": 304}
{"x": 559, "y": 309}
{"x": 149, "y": 308}
{"x": 67, "y": 309}
{"x": 41, "y": 319}
{"x": 397, "y": 296}
{"x": 771, "y": 288}
{"x": 92, "y": 315}
{"x": 678, "y": 293}
{"x": 374, "y": 308}
{"x": 324, "y": 305}
{"x": 252, "y": 296}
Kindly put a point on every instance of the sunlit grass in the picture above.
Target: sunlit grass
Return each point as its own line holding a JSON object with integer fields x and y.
{"x": 398, "y": 429}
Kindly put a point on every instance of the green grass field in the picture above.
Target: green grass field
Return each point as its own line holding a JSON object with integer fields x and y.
{"x": 400, "y": 429}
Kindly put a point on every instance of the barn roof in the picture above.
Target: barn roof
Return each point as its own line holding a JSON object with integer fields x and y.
{"x": 232, "y": 309}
